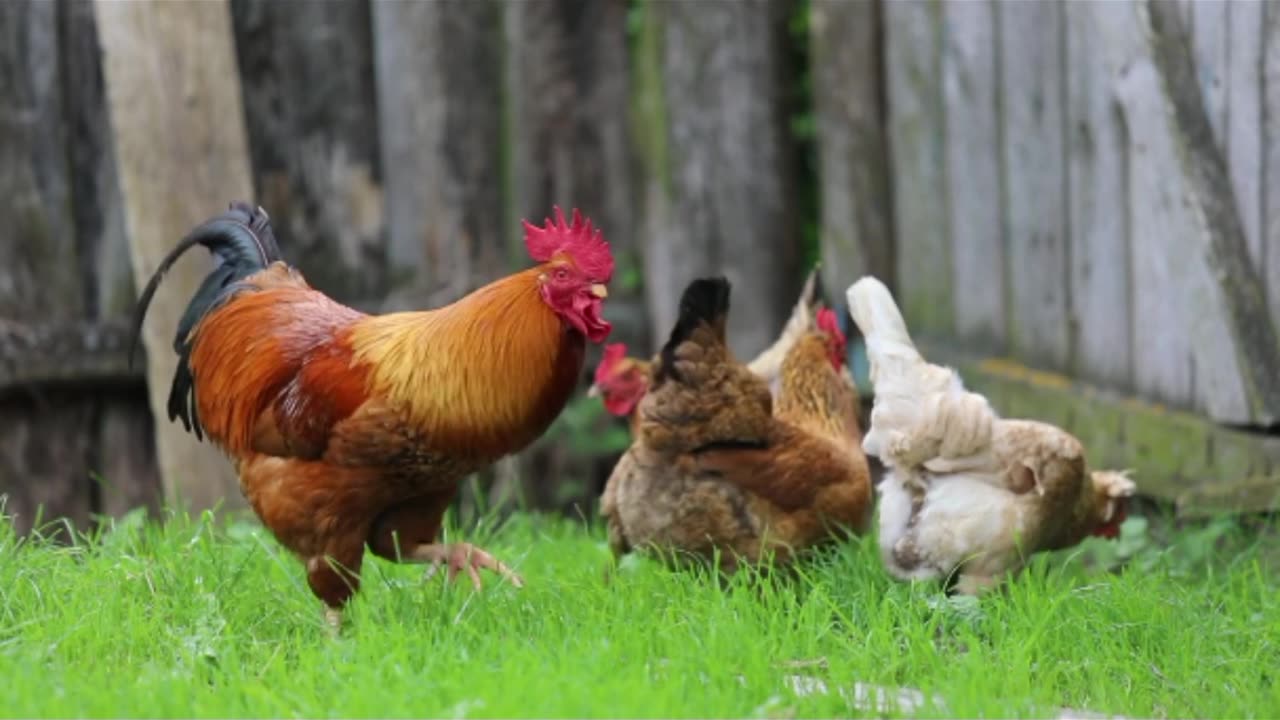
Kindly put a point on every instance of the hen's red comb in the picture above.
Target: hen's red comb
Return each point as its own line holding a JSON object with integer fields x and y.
{"x": 613, "y": 354}
{"x": 828, "y": 323}
{"x": 584, "y": 244}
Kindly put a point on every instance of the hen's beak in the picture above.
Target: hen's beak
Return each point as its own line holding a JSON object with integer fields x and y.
{"x": 593, "y": 391}
{"x": 600, "y": 291}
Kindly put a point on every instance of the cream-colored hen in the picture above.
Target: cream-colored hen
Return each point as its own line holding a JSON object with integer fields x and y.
{"x": 966, "y": 491}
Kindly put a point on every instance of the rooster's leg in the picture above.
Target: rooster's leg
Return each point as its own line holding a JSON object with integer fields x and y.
{"x": 334, "y": 578}
{"x": 406, "y": 533}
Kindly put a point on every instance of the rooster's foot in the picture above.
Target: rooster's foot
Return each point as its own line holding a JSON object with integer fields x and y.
{"x": 463, "y": 556}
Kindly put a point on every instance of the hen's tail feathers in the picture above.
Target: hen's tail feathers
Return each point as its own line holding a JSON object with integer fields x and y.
{"x": 881, "y": 323}
{"x": 704, "y": 302}
{"x": 242, "y": 243}
{"x": 768, "y": 364}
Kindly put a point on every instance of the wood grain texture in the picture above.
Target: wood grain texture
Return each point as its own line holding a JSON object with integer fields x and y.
{"x": 1271, "y": 155}
{"x": 43, "y": 468}
{"x": 856, "y": 227}
{"x": 173, "y": 95}
{"x": 728, "y": 170}
{"x": 1100, "y": 213}
{"x": 122, "y": 459}
{"x": 1222, "y": 242}
{"x": 307, "y": 74}
{"x": 972, "y": 91}
{"x": 1186, "y": 340}
{"x": 440, "y": 123}
{"x": 1243, "y": 139}
{"x": 1211, "y": 46}
{"x": 1032, "y": 79}
{"x": 917, "y": 139}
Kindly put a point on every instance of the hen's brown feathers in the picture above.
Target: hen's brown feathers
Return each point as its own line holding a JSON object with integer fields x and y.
{"x": 718, "y": 466}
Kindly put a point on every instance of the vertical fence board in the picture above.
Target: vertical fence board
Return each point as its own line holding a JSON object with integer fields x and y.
{"x": 1211, "y": 46}
{"x": 307, "y": 73}
{"x": 1032, "y": 77}
{"x": 174, "y": 100}
{"x": 440, "y": 114}
{"x": 43, "y": 436}
{"x": 729, "y": 166}
{"x": 852, "y": 158}
{"x": 121, "y": 443}
{"x": 1184, "y": 349}
{"x": 913, "y": 42}
{"x": 1098, "y": 188}
{"x": 1239, "y": 377}
{"x": 1243, "y": 135}
{"x": 1271, "y": 154}
{"x": 971, "y": 85}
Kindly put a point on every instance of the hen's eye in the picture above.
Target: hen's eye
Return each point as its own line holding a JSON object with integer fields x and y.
{"x": 562, "y": 274}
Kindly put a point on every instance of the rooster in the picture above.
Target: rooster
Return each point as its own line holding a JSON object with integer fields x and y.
{"x": 718, "y": 468}
{"x": 348, "y": 429}
{"x": 968, "y": 495}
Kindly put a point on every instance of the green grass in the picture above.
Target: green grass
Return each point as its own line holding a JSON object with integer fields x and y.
{"x": 193, "y": 618}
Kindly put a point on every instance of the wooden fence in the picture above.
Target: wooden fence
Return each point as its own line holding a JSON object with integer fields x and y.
{"x": 1064, "y": 184}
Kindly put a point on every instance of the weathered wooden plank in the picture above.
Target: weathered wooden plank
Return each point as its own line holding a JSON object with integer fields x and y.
{"x": 42, "y": 466}
{"x": 852, "y": 148}
{"x": 913, "y": 67}
{"x": 121, "y": 443}
{"x": 439, "y": 117}
{"x": 1243, "y": 135}
{"x": 44, "y": 457}
{"x": 75, "y": 353}
{"x": 174, "y": 101}
{"x": 729, "y": 205}
{"x": 973, "y": 139}
{"x": 307, "y": 75}
{"x": 38, "y": 244}
{"x": 1099, "y": 211}
{"x": 1032, "y": 79}
{"x": 567, "y": 90}
{"x": 101, "y": 244}
{"x": 1200, "y": 313}
{"x": 1271, "y": 154}
{"x": 1223, "y": 242}
{"x": 1211, "y": 46}
{"x": 124, "y": 461}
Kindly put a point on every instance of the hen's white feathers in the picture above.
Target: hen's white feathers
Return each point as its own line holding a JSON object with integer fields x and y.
{"x": 964, "y": 489}
{"x": 922, "y": 416}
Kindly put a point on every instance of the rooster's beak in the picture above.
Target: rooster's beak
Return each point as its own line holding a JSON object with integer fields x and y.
{"x": 593, "y": 391}
{"x": 600, "y": 291}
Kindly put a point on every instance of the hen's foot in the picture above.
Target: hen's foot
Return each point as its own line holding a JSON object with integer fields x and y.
{"x": 463, "y": 556}
{"x": 333, "y": 619}
{"x": 975, "y": 584}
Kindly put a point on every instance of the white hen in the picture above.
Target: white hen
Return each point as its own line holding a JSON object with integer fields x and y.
{"x": 965, "y": 491}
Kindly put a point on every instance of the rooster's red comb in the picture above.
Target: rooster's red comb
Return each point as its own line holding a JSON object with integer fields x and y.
{"x": 613, "y": 354}
{"x": 584, "y": 244}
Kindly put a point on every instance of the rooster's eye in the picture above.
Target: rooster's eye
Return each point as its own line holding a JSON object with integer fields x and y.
{"x": 562, "y": 274}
